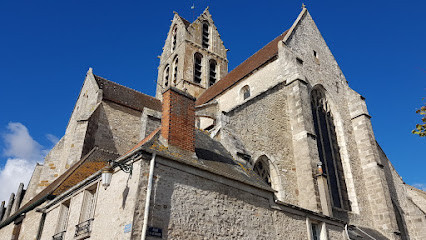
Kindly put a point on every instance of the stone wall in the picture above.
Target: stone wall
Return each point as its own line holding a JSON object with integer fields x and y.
{"x": 191, "y": 204}
{"x": 262, "y": 126}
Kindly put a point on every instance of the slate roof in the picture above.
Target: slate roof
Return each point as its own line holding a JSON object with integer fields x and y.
{"x": 211, "y": 156}
{"x": 364, "y": 233}
{"x": 262, "y": 56}
{"x": 126, "y": 96}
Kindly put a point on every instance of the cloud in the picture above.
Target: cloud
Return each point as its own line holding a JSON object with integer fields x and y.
{"x": 22, "y": 152}
{"x": 420, "y": 186}
{"x": 52, "y": 138}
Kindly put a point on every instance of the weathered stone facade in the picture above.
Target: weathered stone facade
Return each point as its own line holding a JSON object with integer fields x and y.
{"x": 249, "y": 157}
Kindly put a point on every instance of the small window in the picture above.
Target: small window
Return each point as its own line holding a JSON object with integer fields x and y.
{"x": 212, "y": 75}
{"x": 205, "y": 35}
{"x": 197, "y": 67}
{"x": 174, "y": 38}
{"x": 315, "y": 231}
{"x": 166, "y": 76}
{"x": 175, "y": 70}
{"x": 245, "y": 92}
{"x": 315, "y": 54}
{"x": 299, "y": 61}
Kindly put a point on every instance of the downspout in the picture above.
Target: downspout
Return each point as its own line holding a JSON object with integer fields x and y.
{"x": 148, "y": 197}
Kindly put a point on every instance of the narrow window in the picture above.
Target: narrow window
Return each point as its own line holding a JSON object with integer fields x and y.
{"x": 212, "y": 75}
{"x": 174, "y": 38}
{"x": 299, "y": 61}
{"x": 315, "y": 230}
{"x": 175, "y": 71}
{"x": 205, "y": 35}
{"x": 315, "y": 54}
{"x": 262, "y": 169}
{"x": 245, "y": 92}
{"x": 84, "y": 228}
{"x": 197, "y": 67}
{"x": 62, "y": 221}
{"x": 328, "y": 149}
{"x": 166, "y": 76}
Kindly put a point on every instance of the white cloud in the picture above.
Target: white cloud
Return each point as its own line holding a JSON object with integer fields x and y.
{"x": 23, "y": 153}
{"x": 420, "y": 186}
{"x": 52, "y": 138}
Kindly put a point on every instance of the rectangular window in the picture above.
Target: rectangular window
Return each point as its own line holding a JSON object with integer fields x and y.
{"x": 84, "y": 227}
{"x": 62, "y": 220}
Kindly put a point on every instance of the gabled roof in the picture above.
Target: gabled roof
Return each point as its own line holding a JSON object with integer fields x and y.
{"x": 249, "y": 65}
{"x": 186, "y": 22}
{"x": 126, "y": 96}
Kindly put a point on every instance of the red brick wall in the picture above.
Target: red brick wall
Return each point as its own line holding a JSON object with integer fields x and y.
{"x": 178, "y": 120}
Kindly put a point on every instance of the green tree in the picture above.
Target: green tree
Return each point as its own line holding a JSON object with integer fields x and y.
{"x": 421, "y": 128}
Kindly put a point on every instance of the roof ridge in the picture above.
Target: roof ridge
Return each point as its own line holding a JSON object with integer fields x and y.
{"x": 104, "y": 79}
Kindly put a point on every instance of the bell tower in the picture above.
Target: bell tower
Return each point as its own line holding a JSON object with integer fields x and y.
{"x": 193, "y": 58}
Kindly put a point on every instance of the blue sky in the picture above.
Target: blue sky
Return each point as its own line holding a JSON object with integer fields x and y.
{"x": 46, "y": 48}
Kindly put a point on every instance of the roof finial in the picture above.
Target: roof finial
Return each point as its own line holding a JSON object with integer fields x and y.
{"x": 303, "y": 6}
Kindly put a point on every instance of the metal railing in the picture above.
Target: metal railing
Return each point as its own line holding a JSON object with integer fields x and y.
{"x": 83, "y": 228}
{"x": 59, "y": 236}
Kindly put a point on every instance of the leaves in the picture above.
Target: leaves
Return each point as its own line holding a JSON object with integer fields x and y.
{"x": 421, "y": 128}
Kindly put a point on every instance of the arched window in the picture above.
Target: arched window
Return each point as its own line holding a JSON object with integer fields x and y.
{"x": 328, "y": 149}
{"x": 262, "y": 169}
{"x": 197, "y": 67}
{"x": 245, "y": 92}
{"x": 166, "y": 76}
{"x": 212, "y": 73}
{"x": 205, "y": 35}
{"x": 174, "y": 38}
{"x": 175, "y": 70}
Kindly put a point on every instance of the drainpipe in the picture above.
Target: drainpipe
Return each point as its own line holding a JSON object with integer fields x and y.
{"x": 148, "y": 196}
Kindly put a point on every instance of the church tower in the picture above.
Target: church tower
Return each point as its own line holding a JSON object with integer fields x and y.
{"x": 193, "y": 58}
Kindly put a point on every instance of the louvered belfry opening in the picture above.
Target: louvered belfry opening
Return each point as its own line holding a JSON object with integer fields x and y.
{"x": 174, "y": 38}
{"x": 328, "y": 149}
{"x": 212, "y": 75}
{"x": 205, "y": 35}
{"x": 166, "y": 76}
{"x": 197, "y": 67}
{"x": 175, "y": 70}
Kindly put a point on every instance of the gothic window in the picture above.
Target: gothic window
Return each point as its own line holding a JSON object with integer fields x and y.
{"x": 328, "y": 149}
{"x": 212, "y": 75}
{"x": 166, "y": 76}
{"x": 205, "y": 35}
{"x": 174, "y": 38}
{"x": 245, "y": 92}
{"x": 197, "y": 67}
{"x": 175, "y": 70}
{"x": 262, "y": 169}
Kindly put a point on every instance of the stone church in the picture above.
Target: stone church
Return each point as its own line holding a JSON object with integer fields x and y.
{"x": 279, "y": 148}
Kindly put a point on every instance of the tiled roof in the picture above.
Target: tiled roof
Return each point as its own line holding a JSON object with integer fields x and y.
{"x": 255, "y": 61}
{"x": 86, "y": 166}
{"x": 126, "y": 96}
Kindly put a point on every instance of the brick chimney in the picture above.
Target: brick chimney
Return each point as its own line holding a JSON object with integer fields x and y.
{"x": 178, "y": 119}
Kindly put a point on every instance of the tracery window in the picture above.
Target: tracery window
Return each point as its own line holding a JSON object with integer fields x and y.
{"x": 212, "y": 75}
{"x": 245, "y": 92}
{"x": 328, "y": 149}
{"x": 205, "y": 35}
{"x": 166, "y": 76}
{"x": 197, "y": 67}
{"x": 175, "y": 70}
{"x": 262, "y": 169}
